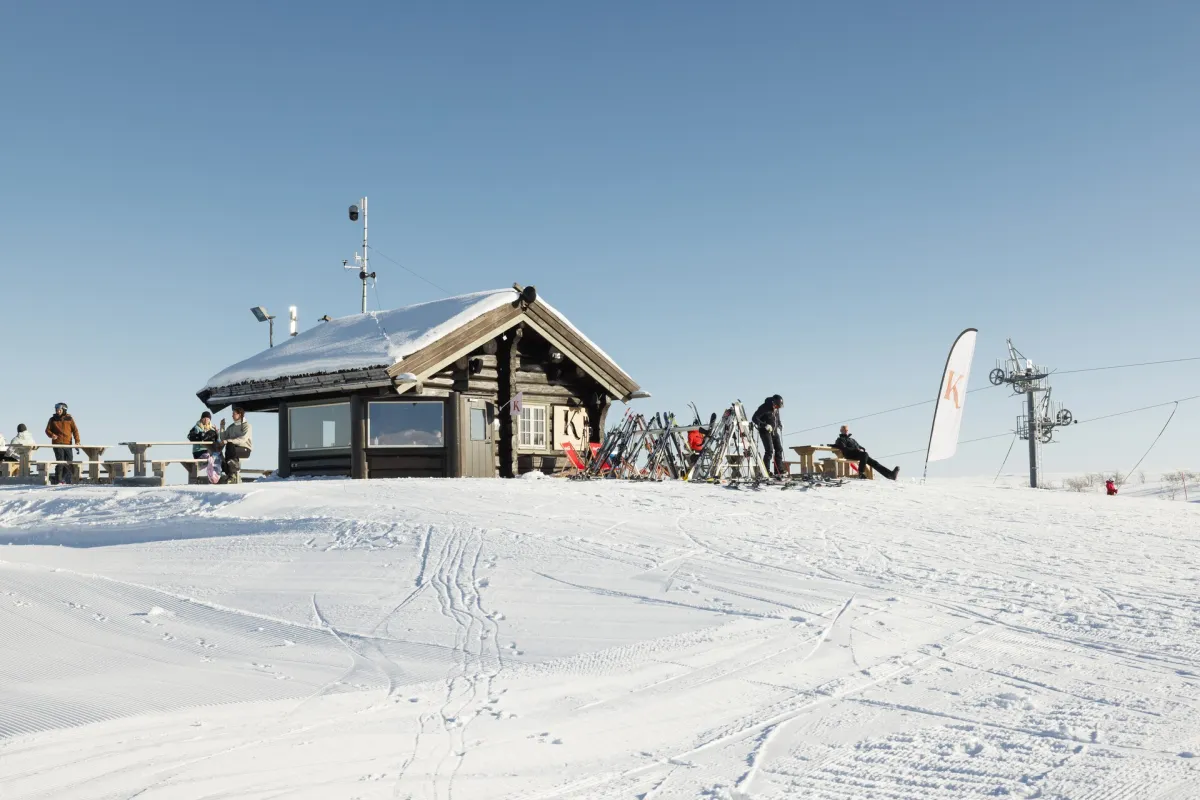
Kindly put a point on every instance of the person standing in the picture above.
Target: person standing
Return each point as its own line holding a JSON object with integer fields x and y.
{"x": 853, "y": 451}
{"x": 770, "y": 428}
{"x": 238, "y": 444}
{"x": 1110, "y": 487}
{"x": 61, "y": 430}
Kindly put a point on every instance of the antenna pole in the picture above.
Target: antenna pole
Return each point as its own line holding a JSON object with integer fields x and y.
{"x": 366, "y": 255}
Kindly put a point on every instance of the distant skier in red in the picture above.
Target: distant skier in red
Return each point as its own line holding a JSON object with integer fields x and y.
{"x": 1110, "y": 488}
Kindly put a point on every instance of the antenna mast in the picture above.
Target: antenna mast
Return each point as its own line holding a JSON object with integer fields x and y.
{"x": 363, "y": 262}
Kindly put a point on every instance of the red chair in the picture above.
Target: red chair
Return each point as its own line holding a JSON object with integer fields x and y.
{"x": 573, "y": 457}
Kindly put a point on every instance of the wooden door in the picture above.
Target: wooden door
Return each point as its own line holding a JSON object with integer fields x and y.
{"x": 475, "y": 438}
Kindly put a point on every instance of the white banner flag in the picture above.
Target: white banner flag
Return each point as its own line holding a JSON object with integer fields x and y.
{"x": 515, "y": 406}
{"x": 952, "y": 396}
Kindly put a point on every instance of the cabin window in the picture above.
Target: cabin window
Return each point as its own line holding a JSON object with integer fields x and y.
{"x": 532, "y": 429}
{"x": 394, "y": 424}
{"x": 479, "y": 426}
{"x": 322, "y": 427}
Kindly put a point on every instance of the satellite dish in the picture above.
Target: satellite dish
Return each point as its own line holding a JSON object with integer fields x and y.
{"x": 354, "y": 213}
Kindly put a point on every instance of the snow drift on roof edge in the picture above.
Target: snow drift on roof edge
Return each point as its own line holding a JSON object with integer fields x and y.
{"x": 361, "y": 341}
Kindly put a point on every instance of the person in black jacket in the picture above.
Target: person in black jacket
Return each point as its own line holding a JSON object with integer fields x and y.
{"x": 206, "y": 437}
{"x": 766, "y": 419}
{"x": 853, "y": 451}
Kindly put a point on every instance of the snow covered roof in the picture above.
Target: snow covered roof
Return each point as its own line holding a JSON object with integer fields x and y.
{"x": 362, "y": 341}
{"x": 381, "y": 340}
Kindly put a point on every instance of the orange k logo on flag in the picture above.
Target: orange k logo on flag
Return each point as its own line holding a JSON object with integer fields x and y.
{"x": 952, "y": 388}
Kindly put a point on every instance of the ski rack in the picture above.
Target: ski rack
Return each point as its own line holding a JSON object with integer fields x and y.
{"x": 641, "y": 449}
{"x": 612, "y": 448}
{"x": 730, "y": 453}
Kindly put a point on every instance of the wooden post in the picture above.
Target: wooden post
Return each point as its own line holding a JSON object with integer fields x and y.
{"x": 508, "y": 363}
{"x": 451, "y": 437}
{"x": 284, "y": 467}
{"x": 358, "y": 437}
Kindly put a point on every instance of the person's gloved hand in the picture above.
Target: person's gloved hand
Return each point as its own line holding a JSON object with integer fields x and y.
{"x": 768, "y": 428}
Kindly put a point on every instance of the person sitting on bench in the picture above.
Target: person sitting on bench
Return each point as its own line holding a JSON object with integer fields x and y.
{"x": 23, "y": 437}
{"x": 238, "y": 445}
{"x": 206, "y": 437}
{"x": 853, "y": 451}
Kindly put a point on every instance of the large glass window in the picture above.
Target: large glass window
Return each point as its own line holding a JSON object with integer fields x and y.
{"x": 532, "y": 429}
{"x": 324, "y": 427}
{"x": 394, "y": 424}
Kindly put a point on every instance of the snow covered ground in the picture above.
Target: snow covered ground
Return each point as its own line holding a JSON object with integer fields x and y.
{"x": 550, "y": 639}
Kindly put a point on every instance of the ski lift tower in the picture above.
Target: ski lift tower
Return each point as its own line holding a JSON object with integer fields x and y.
{"x": 1037, "y": 424}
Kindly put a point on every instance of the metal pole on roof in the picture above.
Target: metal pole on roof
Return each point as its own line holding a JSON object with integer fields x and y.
{"x": 366, "y": 256}
{"x": 362, "y": 262}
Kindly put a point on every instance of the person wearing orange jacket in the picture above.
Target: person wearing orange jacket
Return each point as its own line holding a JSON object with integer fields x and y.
{"x": 62, "y": 430}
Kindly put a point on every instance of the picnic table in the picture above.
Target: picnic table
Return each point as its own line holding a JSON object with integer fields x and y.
{"x": 139, "y": 449}
{"x": 836, "y": 467}
{"x": 26, "y": 465}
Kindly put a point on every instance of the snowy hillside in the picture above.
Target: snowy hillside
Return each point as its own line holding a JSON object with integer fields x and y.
{"x": 541, "y": 639}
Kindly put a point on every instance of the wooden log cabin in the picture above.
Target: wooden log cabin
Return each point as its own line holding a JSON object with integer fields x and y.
{"x": 427, "y": 390}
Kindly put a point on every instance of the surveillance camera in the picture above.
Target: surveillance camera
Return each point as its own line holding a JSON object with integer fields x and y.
{"x": 353, "y": 213}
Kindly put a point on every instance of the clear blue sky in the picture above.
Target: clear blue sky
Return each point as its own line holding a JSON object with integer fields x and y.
{"x": 733, "y": 200}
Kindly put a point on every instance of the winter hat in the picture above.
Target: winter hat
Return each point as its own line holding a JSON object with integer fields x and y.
{"x": 206, "y": 415}
{"x": 21, "y": 428}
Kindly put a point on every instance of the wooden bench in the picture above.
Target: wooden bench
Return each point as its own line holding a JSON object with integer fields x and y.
{"x": 38, "y": 472}
{"x": 836, "y": 467}
{"x": 190, "y": 465}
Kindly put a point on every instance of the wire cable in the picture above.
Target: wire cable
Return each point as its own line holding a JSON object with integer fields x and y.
{"x": 1006, "y": 455}
{"x": 968, "y": 441}
{"x": 984, "y": 388}
{"x": 1135, "y": 410}
{"x": 1125, "y": 366}
{"x": 441, "y": 289}
{"x": 1151, "y": 447}
{"x": 878, "y": 413}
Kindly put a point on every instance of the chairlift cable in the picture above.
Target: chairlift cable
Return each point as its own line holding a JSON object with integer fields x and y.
{"x": 1006, "y": 455}
{"x": 982, "y": 388}
{"x": 1151, "y": 447}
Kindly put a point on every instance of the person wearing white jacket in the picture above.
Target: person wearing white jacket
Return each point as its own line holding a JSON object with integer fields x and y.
{"x": 23, "y": 437}
{"x": 238, "y": 444}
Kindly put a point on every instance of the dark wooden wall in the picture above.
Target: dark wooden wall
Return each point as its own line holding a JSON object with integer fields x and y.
{"x": 518, "y": 361}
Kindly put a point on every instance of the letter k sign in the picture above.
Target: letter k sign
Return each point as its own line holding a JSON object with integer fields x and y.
{"x": 952, "y": 387}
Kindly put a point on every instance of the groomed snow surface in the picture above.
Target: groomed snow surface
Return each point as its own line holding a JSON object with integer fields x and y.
{"x": 483, "y": 640}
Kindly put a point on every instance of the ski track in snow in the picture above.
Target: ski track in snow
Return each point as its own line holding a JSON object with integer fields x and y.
{"x": 553, "y": 640}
